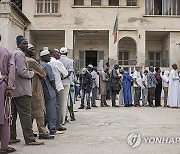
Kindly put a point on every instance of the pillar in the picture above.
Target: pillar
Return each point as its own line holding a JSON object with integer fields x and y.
{"x": 113, "y": 50}
{"x": 69, "y": 42}
{"x": 141, "y": 49}
{"x": 87, "y": 2}
{"x": 104, "y": 2}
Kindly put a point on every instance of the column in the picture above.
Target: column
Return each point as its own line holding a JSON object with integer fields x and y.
{"x": 113, "y": 50}
{"x": 69, "y": 42}
{"x": 104, "y": 3}
{"x": 141, "y": 48}
{"x": 122, "y": 3}
{"x": 87, "y": 2}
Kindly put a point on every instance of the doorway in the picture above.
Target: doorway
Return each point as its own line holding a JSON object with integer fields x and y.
{"x": 91, "y": 58}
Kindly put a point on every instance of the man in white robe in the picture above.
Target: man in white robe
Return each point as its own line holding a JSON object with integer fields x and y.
{"x": 174, "y": 90}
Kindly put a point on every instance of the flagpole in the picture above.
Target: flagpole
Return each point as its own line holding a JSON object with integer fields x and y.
{"x": 117, "y": 23}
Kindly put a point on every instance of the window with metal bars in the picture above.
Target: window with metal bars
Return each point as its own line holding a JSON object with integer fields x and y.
{"x": 95, "y": 2}
{"x": 131, "y": 2}
{"x": 47, "y": 6}
{"x": 78, "y": 2}
{"x": 162, "y": 7}
{"x": 113, "y": 2}
{"x": 123, "y": 57}
{"x": 154, "y": 59}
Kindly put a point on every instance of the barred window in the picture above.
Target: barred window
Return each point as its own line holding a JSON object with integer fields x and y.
{"x": 113, "y": 2}
{"x": 47, "y": 6}
{"x": 78, "y": 2}
{"x": 154, "y": 59}
{"x": 123, "y": 57}
{"x": 131, "y": 2}
{"x": 162, "y": 7}
{"x": 95, "y": 2}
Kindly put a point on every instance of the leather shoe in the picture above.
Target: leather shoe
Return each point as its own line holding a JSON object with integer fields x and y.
{"x": 61, "y": 129}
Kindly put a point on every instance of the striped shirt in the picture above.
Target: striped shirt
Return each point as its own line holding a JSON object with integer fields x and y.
{"x": 151, "y": 80}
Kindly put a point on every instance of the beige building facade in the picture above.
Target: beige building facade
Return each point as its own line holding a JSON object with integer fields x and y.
{"x": 148, "y": 30}
{"x": 12, "y": 23}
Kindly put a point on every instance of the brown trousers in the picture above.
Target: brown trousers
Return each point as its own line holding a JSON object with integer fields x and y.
{"x": 41, "y": 126}
{"x": 151, "y": 95}
{"x": 103, "y": 100}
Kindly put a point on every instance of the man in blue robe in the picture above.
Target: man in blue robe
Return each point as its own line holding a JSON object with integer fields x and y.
{"x": 127, "y": 79}
{"x": 49, "y": 88}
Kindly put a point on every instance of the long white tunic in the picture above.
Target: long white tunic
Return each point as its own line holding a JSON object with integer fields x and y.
{"x": 174, "y": 90}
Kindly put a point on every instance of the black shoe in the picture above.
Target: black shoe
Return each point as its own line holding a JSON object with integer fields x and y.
{"x": 94, "y": 106}
{"x": 151, "y": 105}
{"x": 46, "y": 136}
{"x": 73, "y": 119}
{"x": 61, "y": 129}
{"x": 88, "y": 108}
{"x": 115, "y": 106}
{"x": 81, "y": 107}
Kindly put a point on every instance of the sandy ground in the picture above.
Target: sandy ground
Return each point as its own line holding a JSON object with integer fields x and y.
{"x": 105, "y": 131}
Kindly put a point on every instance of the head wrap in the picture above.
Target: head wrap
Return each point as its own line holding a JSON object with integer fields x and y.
{"x": 44, "y": 53}
{"x": 19, "y": 39}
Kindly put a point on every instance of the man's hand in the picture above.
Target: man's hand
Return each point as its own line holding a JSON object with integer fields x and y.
{"x": 8, "y": 93}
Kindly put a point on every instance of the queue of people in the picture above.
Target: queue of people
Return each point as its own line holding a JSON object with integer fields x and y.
{"x": 131, "y": 89}
{"x": 36, "y": 91}
{"x": 44, "y": 91}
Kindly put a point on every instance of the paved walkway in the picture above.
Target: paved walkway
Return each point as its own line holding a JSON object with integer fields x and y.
{"x": 105, "y": 131}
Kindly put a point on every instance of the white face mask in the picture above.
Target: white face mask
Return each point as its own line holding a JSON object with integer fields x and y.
{"x": 0, "y": 75}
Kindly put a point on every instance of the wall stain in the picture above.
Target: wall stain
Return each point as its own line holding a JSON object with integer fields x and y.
{"x": 142, "y": 20}
{"x": 78, "y": 21}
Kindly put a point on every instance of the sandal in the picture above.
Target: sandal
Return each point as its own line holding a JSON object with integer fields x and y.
{"x": 8, "y": 150}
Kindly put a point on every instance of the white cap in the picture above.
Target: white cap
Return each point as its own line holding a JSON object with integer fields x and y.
{"x": 44, "y": 53}
{"x": 84, "y": 70}
{"x": 30, "y": 46}
{"x": 90, "y": 65}
{"x": 63, "y": 50}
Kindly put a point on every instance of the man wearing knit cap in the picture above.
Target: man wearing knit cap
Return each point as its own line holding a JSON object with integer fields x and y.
{"x": 21, "y": 102}
{"x": 69, "y": 65}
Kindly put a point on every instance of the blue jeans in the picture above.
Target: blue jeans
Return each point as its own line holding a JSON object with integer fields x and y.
{"x": 77, "y": 91}
{"x": 51, "y": 114}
